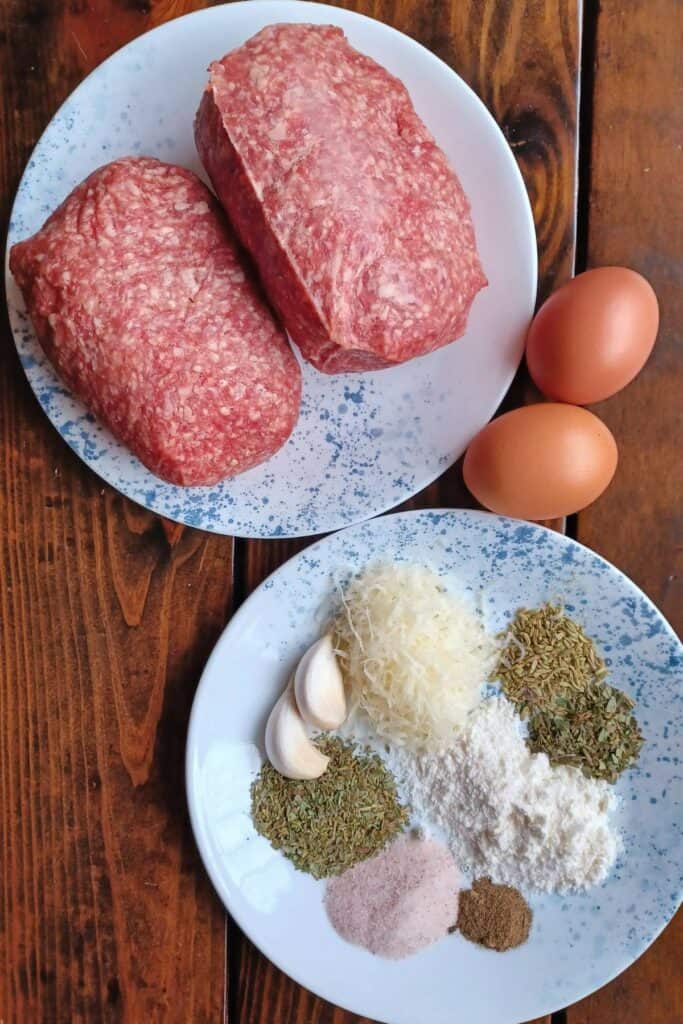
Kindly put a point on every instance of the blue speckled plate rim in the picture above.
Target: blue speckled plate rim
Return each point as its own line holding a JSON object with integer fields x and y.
{"x": 560, "y": 540}
{"x": 208, "y": 527}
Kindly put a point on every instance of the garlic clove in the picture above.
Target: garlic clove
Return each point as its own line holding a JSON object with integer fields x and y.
{"x": 288, "y": 745}
{"x": 319, "y": 686}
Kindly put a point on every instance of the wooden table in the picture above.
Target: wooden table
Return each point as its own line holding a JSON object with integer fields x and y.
{"x": 109, "y": 612}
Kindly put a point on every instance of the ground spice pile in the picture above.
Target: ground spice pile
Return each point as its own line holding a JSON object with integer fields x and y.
{"x": 495, "y": 916}
{"x": 327, "y": 825}
{"x": 555, "y": 677}
{"x": 399, "y": 901}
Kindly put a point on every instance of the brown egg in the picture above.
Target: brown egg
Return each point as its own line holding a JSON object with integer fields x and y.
{"x": 541, "y": 462}
{"x": 593, "y": 335}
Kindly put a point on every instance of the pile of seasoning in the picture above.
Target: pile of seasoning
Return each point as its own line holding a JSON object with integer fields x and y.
{"x": 509, "y": 814}
{"x": 551, "y": 671}
{"x": 399, "y": 901}
{"x": 495, "y": 916}
{"x": 326, "y": 825}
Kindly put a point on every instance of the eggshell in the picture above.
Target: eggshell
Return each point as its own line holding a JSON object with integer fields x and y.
{"x": 541, "y": 461}
{"x": 593, "y": 335}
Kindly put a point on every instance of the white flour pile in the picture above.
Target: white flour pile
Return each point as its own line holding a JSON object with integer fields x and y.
{"x": 507, "y": 813}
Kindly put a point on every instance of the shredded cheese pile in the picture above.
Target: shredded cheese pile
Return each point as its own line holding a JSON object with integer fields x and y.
{"x": 414, "y": 656}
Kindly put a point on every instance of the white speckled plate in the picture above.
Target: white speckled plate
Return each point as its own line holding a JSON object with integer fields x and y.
{"x": 578, "y": 942}
{"x": 366, "y": 442}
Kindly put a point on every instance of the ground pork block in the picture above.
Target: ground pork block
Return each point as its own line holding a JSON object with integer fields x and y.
{"x": 140, "y": 298}
{"x": 359, "y": 227}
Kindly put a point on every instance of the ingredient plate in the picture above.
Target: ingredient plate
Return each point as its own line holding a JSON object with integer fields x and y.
{"x": 364, "y": 442}
{"x": 578, "y": 941}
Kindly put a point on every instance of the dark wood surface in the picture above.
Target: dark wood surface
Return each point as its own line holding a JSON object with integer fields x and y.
{"x": 635, "y": 217}
{"x": 108, "y": 612}
{"x": 108, "y": 615}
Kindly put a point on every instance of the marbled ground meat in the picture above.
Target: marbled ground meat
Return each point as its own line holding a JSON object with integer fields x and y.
{"x": 140, "y": 298}
{"x": 359, "y": 227}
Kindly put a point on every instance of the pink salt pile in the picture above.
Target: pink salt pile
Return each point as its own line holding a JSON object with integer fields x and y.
{"x": 398, "y": 901}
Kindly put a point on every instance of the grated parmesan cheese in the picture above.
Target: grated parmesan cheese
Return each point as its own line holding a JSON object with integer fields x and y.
{"x": 414, "y": 656}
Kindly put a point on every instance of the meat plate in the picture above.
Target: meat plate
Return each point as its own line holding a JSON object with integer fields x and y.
{"x": 364, "y": 442}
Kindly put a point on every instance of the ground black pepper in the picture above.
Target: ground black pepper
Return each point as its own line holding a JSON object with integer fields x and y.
{"x": 495, "y": 916}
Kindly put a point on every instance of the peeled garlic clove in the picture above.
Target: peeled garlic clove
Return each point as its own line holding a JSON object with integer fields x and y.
{"x": 319, "y": 686}
{"x": 288, "y": 745}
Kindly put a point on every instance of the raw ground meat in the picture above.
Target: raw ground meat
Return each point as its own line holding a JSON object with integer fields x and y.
{"x": 360, "y": 229}
{"x": 139, "y": 296}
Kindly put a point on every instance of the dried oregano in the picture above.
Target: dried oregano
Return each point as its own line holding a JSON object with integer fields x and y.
{"x": 595, "y": 730}
{"x": 552, "y": 672}
{"x": 327, "y": 825}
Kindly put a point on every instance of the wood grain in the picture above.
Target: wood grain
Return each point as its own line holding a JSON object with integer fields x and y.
{"x": 108, "y": 612}
{"x": 635, "y": 220}
{"x": 107, "y": 615}
{"x": 522, "y": 59}
{"x": 636, "y": 198}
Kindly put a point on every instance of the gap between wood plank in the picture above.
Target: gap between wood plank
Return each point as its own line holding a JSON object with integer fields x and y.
{"x": 234, "y": 938}
{"x": 588, "y": 20}
{"x": 240, "y": 590}
{"x": 588, "y": 25}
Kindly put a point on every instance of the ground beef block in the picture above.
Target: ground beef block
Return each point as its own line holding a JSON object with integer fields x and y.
{"x": 140, "y": 298}
{"x": 359, "y": 227}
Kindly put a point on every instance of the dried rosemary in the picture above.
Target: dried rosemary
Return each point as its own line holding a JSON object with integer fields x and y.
{"x": 551, "y": 671}
{"x": 327, "y": 825}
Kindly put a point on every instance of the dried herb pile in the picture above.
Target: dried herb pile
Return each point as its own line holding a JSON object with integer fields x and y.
{"x": 551, "y": 671}
{"x": 327, "y": 825}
